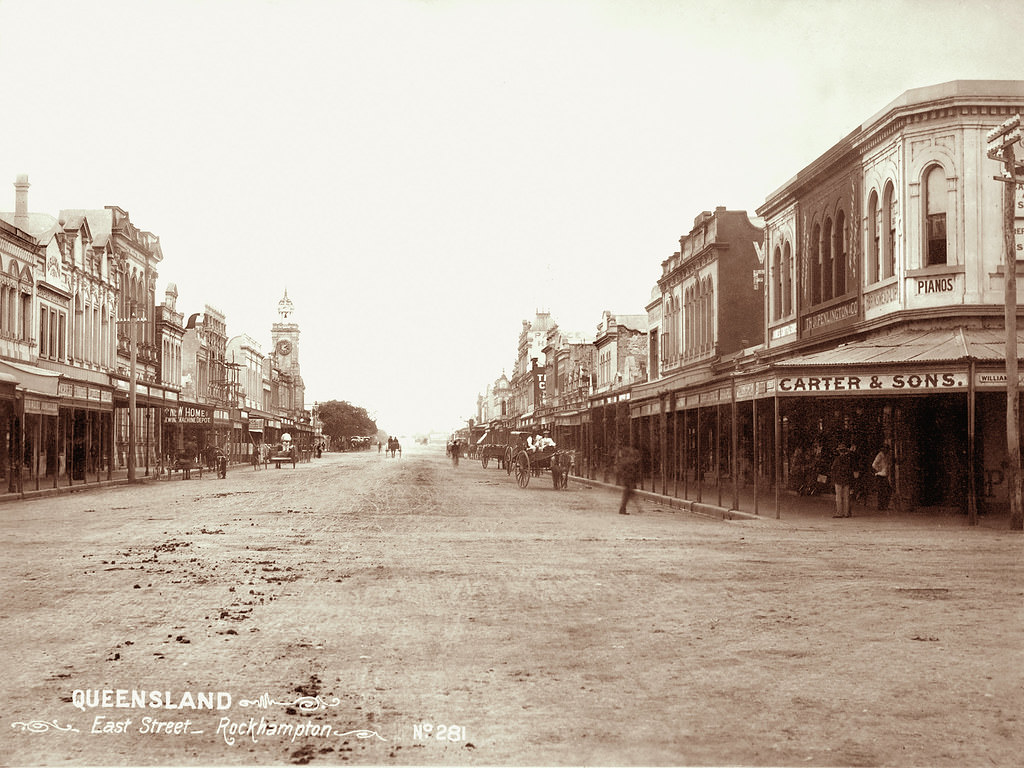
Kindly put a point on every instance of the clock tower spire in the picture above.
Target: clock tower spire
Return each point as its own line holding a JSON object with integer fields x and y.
{"x": 284, "y": 336}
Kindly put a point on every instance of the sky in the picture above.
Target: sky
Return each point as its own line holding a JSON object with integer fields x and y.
{"x": 422, "y": 176}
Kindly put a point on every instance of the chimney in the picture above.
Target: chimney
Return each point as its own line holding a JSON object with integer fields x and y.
{"x": 21, "y": 186}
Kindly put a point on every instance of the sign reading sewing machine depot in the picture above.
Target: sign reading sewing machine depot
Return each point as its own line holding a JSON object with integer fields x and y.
{"x": 906, "y": 383}
{"x": 189, "y": 414}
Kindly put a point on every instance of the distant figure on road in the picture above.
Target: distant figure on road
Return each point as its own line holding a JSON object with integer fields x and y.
{"x": 454, "y": 449}
{"x": 629, "y": 472}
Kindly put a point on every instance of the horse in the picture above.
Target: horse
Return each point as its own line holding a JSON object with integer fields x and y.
{"x": 562, "y": 464}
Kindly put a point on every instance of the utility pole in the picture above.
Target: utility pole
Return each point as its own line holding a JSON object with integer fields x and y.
{"x": 132, "y": 357}
{"x": 1001, "y": 141}
{"x": 131, "y": 395}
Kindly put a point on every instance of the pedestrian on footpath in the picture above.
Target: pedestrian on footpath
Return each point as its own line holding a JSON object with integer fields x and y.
{"x": 842, "y": 477}
{"x": 629, "y": 470}
{"x": 882, "y": 466}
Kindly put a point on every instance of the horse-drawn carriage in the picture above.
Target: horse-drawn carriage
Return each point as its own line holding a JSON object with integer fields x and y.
{"x": 281, "y": 455}
{"x": 500, "y": 443}
{"x": 528, "y": 462}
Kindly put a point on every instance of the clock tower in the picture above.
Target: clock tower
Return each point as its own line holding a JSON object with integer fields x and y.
{"x": 284, "y": 336}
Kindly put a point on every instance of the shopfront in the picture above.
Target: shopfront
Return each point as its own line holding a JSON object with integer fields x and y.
{"x": 86, "y": 427}
{"x": 29, "y": 410}
{"x": 746, "y": 439}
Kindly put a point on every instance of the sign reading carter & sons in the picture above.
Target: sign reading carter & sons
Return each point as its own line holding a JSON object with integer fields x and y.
{"x": 927, "y": 381}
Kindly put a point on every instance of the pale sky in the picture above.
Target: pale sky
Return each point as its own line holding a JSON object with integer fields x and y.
{"x": 423, "y": 175}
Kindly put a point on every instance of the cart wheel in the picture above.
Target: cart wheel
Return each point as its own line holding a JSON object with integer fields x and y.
{"x": 523, "y": 469}
{"x": 508, "y": 461}
{"x": 483, "y": 460}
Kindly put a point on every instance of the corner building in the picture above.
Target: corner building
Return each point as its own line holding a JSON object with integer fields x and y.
{"x": 884, "y": 310}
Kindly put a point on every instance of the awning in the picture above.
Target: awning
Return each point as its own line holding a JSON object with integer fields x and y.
{"x": 39, "y": 381}
{"x": 903, "y": 362}
{"x": 902, "y": 347}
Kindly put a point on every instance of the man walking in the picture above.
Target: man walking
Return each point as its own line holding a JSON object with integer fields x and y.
{"x": 629, "y": 470}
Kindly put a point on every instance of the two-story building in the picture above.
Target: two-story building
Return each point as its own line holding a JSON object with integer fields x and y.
{"x": 886, "y": 300}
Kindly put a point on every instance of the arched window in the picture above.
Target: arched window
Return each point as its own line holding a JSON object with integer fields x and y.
{"x": 105, "y": 336}
{"x": 815, "y": 264}
{"x": 4, "y": 299}
{"x": 889, "y": 231}
{"x": 710, "y": 318}
{"x": 78, "y": 332}
{"x": 935, "y": 216}
{"x": 873, "y": 260}
{"x": 787, "y": 280}
{"x": 688, "y": 313}
{"x": 827, "y": 262}
{"x": 839, "y": 255}
{"x": 777, "y": 281}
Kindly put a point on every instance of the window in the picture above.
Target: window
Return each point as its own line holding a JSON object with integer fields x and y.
{"x": 839, "y": 254}
{"x": 874, "y": 254}
{"x": 889, "y": 219}
{"x": 777, "y": 282}
{"x": 44, "y": 340}
{"x": 26, "y": 316}
{"x": 787, "y": 280}
{"x": 935, "y": 216}
{"x": 827, "y": 262}
{"x": 815, "y": 264}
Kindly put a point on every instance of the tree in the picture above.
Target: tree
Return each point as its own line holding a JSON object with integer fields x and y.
{"x": 342, "y": 420}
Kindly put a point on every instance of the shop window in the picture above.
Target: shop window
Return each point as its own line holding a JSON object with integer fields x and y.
{"x": 935, "y": 216}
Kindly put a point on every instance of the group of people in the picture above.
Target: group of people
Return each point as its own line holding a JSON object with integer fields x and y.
{"x": 454, "y": 450}
{"x": 539, "y": 442}
{"x": 843, "y": 475}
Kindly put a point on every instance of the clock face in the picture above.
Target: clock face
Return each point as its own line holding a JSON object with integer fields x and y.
{"x": 284, "y": 347}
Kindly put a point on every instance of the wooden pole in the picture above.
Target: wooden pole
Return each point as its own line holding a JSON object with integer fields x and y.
{"x": 1010, "y": 321}
{"x": 972, "y": 500}
{"x": 778, "y": 461}
{"x": 735, "y": 435}
{"x": 756, "y": 450}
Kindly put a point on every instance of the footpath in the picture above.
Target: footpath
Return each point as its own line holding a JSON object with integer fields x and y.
{"x": 793, "y": 509}
{"x": 798, "y": 510}
{"x": 46, "y": 488}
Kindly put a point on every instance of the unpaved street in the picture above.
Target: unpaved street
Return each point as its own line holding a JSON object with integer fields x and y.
{"x": 357, "y": 608}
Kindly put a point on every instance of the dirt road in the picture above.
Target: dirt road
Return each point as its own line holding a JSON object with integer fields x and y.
{"x": 367, "y": 610}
